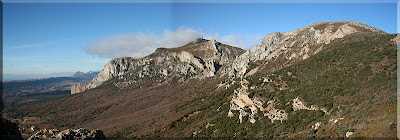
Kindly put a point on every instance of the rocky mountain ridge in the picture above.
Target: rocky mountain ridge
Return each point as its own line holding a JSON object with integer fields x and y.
{"x": 290, "y": 47}
{"x": 199, "y": 60}
{"x": 298, "y": 44}
{"x": 203, "y": 58}
{"x": 206, "y": 57}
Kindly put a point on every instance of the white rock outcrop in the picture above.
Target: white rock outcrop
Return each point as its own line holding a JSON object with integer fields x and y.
{"x": 334, "y": 121}
{"x": 77, "y": 88}
{"x": 276, "y": 114}
{"x": 204, "y": 58}
{"x": 241, "y": 102}
{"x": 68, "y": 134}
{"x": 298, "y": 104}
{"x": 278, "y": 43}
{"x": 348, "y": 134}
{"x": 199, "y": 60}
{"x": 316, "y": 125}
{"x": 114, "y": 68}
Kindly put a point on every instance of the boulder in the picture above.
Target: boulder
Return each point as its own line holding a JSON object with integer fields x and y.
{"x": 68, "y": 134}
{"x": 77, "y": 88}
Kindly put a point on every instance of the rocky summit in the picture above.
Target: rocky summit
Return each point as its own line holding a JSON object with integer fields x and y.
{"x": 199, "y": 59}
{"x": 204, "y": 58}
{"x": 298, "y": 44}
{"x": 328, "y": 80}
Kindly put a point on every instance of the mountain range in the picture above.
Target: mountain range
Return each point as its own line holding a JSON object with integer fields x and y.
{"x": 15, "y": 92}
{"x": 325, "y": 80}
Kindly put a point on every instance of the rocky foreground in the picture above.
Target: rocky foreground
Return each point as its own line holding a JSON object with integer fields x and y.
{"x": 68, "y": 134}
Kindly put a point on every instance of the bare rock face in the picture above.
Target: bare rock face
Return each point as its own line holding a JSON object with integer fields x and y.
{"x": 240, "y": 101}
{"x": 291, "y": 46}
{"x": 200, "y": 59}
{"x": 69, "y": 134}
{"x": 207, "y": 58}
{"x": 329, "y": 34}
{"x": 77, "y": 88}
{"x": 298, "y": 105}
{"x": 296, "y": 44}
{"x": 114, "y": 68}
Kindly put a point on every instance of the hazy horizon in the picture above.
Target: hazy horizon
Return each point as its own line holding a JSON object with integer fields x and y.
{"x": 17, "y": 77}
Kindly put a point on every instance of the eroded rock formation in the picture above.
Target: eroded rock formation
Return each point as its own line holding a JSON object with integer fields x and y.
{"x": 199, "y": 60}
{"x": 77, "y": 88}
{"x": 296, "y": 44}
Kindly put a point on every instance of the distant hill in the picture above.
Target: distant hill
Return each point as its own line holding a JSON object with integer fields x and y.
{"x": 21, "y": 77}
{"x": 328, "y": 80}
{"x": 85, "y": 76}
{"x": 39, "y": 89}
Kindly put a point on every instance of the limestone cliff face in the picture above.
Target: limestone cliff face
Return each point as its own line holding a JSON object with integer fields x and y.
{"x": 298, "y": 44}
{"x": 206, "y": 58}
{"x": 197, "y": 60}
{"x": 80, "y": 133}
{"x": 77, "y": 88}
{"x": 114, "y": 68}
{"x": 288, "y": 47}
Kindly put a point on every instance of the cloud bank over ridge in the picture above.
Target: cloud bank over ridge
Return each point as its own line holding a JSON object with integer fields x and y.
{"x": 140, "y": 44}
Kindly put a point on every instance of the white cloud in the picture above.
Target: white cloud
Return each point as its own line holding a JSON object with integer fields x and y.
{"x": 180, "y": 37}
{"x": 135, "y": 45}
{"x": 238, "y": 40}
{"x": 140, "y": 45}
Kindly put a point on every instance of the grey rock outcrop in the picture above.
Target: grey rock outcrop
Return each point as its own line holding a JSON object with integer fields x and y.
{"x": 296, "y": 44}
{"x": 69, "y": 134}
{"x": 205, "y": 58}
{"x": 114, "y": 68}
{"x": 200, "y": 59}
{"x": 83, "y": 79}
{"x": 289, "y": 47}
{"x": 77, "y": 88}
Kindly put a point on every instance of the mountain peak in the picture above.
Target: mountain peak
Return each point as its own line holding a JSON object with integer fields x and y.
{"x": 298, "y": 44}
{"x": 200, "y": 58}
{"x": 206, "y": 57}
{"x": 361, "y": 27}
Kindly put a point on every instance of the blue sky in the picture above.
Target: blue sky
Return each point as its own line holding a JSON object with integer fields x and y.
{"x": 45, "y": 38}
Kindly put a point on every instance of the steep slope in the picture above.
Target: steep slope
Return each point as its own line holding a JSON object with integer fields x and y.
{"x": 296, "y": 45}
{"x": 137, "y": 96}
{"x": 347, "y": 89}
{"x": 279, "y": 50}
{"x": 277, "y": 100}
{"x": 197, "y": 60}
